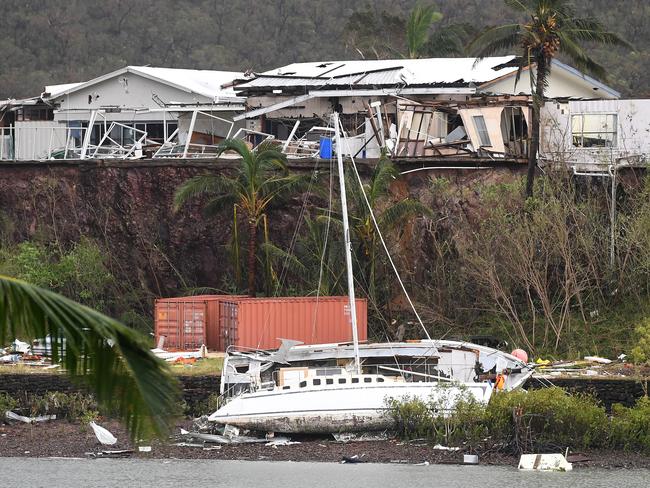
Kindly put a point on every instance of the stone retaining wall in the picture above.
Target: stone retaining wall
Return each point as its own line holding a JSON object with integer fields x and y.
{"x": 609, "y": 391}
{"x": 197, "y": 389}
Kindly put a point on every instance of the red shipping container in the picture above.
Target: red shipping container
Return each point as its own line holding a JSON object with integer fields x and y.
{"x": 189, "y": 322}
{"x": 258, "y": 323}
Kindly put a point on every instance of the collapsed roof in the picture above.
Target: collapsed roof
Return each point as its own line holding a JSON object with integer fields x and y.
{"x": 453, "y": 72}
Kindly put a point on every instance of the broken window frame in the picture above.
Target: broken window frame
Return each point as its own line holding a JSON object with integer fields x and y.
{"x": 578, "y": 133}
{"x": 482, "y": 130}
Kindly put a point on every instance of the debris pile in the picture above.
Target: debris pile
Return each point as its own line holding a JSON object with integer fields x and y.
{"x": 589, "y": 366}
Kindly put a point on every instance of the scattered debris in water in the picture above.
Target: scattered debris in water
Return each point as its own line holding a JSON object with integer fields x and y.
{"x": 544, "y": 462}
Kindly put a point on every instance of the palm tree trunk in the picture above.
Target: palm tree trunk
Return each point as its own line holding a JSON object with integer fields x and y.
{"x": 252, "y": 244}
{"x": 538, "y": 101}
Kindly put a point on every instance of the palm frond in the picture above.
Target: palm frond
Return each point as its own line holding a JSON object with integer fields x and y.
{"x": 237, "y": 145}
{"x": 591, "y": 30}
{"x": 401, "y": 211}
{"x": 385, "y": 173}
{"x": 417, "y": 28}
{"x": 202, "y": 185}
{"x": 450, "y": 40}
{"x": 111, "y": 359}
{"x": 280, "y": 186}
{"x": 283, "y": 257}
{"x": 219, "y": 203}
{"x": 520, "y": 6}
{"x": 495, "y": 40}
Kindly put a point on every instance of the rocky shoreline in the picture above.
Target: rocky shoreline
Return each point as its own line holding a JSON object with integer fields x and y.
{"x": 71, "y": 439}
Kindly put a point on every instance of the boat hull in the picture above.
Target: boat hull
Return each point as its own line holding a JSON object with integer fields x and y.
{"x": 334, "y": 409}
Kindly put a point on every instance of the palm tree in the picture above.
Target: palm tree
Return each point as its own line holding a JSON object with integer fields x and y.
{"x": 114, "y": 361}
{"x": 417, "y": 29}
{"x": 261, "y": 178}
{"x": 390, "y": 216}
{"x": 552, "y": 27}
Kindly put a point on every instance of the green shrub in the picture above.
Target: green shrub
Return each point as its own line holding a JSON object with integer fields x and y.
{"x": 7, "y": 403}
{"x": 546, "y": 418}
{"x": 207, "y": 406}
{"x": 412, "y": 417}
{"x": 416, "y": 419}
{"x": 641, "y": 351}
{"x": 72, "y": 406}
{"x": 630, "y": 427}
{"x": 521, "y": 421}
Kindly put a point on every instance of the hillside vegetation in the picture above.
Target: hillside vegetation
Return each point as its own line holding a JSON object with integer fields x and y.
{"x": 75, "y": 40}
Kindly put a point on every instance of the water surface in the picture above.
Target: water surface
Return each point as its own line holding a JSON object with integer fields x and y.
{"x": 159, "y": 473}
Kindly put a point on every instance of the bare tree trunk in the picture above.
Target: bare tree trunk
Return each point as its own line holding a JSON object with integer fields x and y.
{"x": 538, "y": 102}
{"x": 252, "y": 245}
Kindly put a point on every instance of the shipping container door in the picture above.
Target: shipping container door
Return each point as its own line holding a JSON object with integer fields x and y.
{"x": 228, "y": 324}
{"x": 193, "y": 325}
{"x": 167, "y": 319}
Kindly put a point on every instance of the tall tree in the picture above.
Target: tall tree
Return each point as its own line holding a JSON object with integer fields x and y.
{"x": 115, "y": 362}
{"x": 261, "y": 178}
{"x": 551, "y": 27}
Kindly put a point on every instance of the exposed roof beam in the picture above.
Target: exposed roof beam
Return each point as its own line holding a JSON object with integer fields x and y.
{"x": 354, "y": 93}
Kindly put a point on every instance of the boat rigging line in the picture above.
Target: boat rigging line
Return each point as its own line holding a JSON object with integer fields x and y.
{"x": 381, "y": 237}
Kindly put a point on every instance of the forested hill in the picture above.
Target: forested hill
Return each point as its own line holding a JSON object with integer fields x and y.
{"x": 58, "y": 41}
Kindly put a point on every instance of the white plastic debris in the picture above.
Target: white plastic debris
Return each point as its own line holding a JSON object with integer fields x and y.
{"x": 280, "y": 441}
{"x": 470, "y": 458}
{"x": 28, "y": 420}
{"x": 440, "y": 447}
{"x": 20, "y": 346}
{"x": 544, "y": 462}
{"x": 103, "y": 435}
{"x": 144, "y": 448}
{"x": 230, "y": 431}
{"x": 597, "y": 359}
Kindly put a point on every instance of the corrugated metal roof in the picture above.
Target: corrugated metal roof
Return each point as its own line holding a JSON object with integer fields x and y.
{"x": 54, "y": 90}
{"x": 202, "y": 82}
{"x": 432, "y": 71}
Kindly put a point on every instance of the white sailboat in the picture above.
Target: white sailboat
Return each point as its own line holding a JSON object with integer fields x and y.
{"x": 327, "y": 388}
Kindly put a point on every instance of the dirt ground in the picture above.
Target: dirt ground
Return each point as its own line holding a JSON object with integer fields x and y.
{"x": 61, "y": 438}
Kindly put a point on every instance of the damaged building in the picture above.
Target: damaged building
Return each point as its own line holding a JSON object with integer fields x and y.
{"x": 132, "y": 112}
{"x": 595, "y": 136}
{"x": 411, "y": 108}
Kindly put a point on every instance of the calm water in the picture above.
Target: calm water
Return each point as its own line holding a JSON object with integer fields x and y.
{"x": 72, "y": 473}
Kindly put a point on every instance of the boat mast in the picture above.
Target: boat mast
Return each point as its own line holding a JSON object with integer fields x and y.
{"x": 348, "y": 244}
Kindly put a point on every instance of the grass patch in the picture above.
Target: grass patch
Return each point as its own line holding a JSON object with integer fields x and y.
{"x": 24, "y": 369}
{"x": 203, "y": 367}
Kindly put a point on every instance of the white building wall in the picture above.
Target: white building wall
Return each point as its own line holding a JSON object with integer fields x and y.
{"x": 36, "y": 140}
{"x": 632, "y": 133}
{"x": 128, "y": 92}
{"x": 561, "y": 84}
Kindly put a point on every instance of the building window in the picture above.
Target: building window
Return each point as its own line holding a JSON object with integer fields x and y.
{"x": 481, "y": 129}
{"x": 594, "y": 130}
